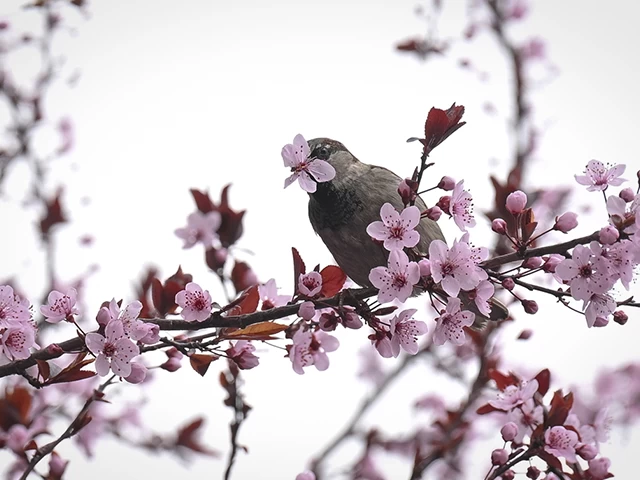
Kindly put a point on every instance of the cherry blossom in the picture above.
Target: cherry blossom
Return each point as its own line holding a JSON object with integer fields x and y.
{"x": 516, "y": 202}
{"x": 461, "y": 207}
{"x": 308, "y": 171}
{"x": 396, "y": 230}
{"x": 598, "y": 306}
{"x": 201, "y": 227}
{"x": 135, "y": 329}
{"x": 514, "y": 395}
{"x": 451, "y": 323}
{"x": 599, "y": 468}
{"x": 397, "y": 279}
{"x": 405, "y": 331}
{"x": 195, "y": 303}
{"x": 13, "y": 309}
{"x": 454, "y": 268}
{"x": 16, "y": 340}
{"x": 527, "y": 417}
{"x": 561, "y": 442}
{"x": 586, "y": 274}
{"x": 241, "y": 352}
{"x": 481, "y": 295}
{"x": 598, "y": 177}
{"x": 621, "y": 213}
{"x": 114, "y": 351}
{"x": 269, "y": 295}
{"x": 60, "y": 306}
{"x": 310, "y": 284}
{"x": 310, "y": 349}
{"x": 381, "y": 340}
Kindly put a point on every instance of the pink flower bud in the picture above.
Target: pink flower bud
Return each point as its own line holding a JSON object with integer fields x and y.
{"x": 425, "y": 267}
{"x": 601, "y": 322}
{"x": 620, "y": 317}
{"x": 407, "y": 190}
{"x": 566, "y": 222}
{"x": 509, "y": 431}
{"x": 508, "y": 283}
{"x": 551, "y": 262}
{"x": 434, "y": 213}
{"x": 516, "y": 202}
{"x": 499, "y": 226}
{"x": 447, "y": 183}
{"x": 599, "y": 467}
{"x": 307, "y": 310}
{"x": 138, "y": 373}
{"x": 627, "y": 194}
{"x": 55, "y": 350}
{"x": 499, "y": 456}
{"x": 609, "y": 235}
{"x": 533, "y": 472}
{"x": 306, "y": 475}
{"x": 508, "y": 475}
{"x": 530, "y": 306}
{"x": 588, "y": 452}
{"x": 104, "y": 316}
{"x": 532, "y": 262}
{"x": 444, "y": 203}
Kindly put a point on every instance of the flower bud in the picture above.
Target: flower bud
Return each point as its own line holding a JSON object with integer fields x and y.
{"x": 588, "y": 452}
{"x": 509, "y": 431}
{"x": 407, "y": 190}
{"x": 532, "y": 262}
{"x": 508, "y": 283}
{"x": 566, "y": 222}
{"x": 627, "y": 194}
{"x": 306, "y": 475}
{"x": 499, "y": 226}
{"x": 508, "y": 475}
{"x": 620, "y": 317}
{"x": 444, "y": 203}
{"x": 551, "y": 262}
{"x": 609, "y": 235}
{"x": 533, "y": 472}
{"x": 447, "y": 183}
{"x": 530, "y": 306}
{"x": 307, "y": 310}
{"x": 499, "y": 456}
{"x": 599, "y": 467}
{"x": 516, "y": 202}
{"x": 138, "y": 373}
{"x": 425, "y": 267}
{"x": 434, "y": 213}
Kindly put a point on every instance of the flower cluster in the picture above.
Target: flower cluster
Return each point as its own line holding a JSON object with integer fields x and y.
{"x": 17, "y": 330}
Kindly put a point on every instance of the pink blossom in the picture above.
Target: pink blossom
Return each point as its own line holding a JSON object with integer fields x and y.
{"x": 516, "y": 202}
{"x": 608, "y": 235}
{"x": 370, "y": 366}
{"x": 396, "y": 230}
{"x": 561, "y": 442}
{"x": 533, "y": 49}
{"x": 514, "y": 395}
{"x": 598, "y": 306}
{"x": 397, "y": 279}
{"x": 201, "y": 227}
{"x": 241, "y": 352}
{"x": 60, "y": 306}
{"x": 13, "y": 309}
{"x": 306, "y": 170}
{"x": 310, "y": 349}
{"x": 481, "y": 295}
{"x": 17, "y": 438}
{"x": 598, "y": 177}
{"x": 451, "y": 323}
{"x": 269, "y": 295}
{"x": 195, "y": 303}
{"x": 114, "y": 351}
{"x": 381, "y": 340}
{"x": 454, "y": 268}
{"x": 599, "y": 468}
{"x": 527, "y": 416}
{"x": 461, "y": 207}
{"x": 586, "y": 274}
{"x": 566, "y": 222}
{"x": 135, "y": 329}
{"x": 622, "y": 212}
{"x": 310, "y": 284}
{"x": 306, "y": 475}
{"x": 174, "y": 356}
{"x": 16, "y": 340}
{"x": 405, "y": 331}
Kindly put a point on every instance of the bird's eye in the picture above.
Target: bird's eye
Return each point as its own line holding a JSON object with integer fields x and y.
{"x": 321, "y": 153}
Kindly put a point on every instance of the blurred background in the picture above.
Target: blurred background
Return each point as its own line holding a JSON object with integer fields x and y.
{"x": 166, "y": 96}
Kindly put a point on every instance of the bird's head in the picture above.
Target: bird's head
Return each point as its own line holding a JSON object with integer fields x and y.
{"x": 336, "y": 154}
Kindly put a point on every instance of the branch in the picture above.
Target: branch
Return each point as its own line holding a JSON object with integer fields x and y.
{"x": 216, "y": 320}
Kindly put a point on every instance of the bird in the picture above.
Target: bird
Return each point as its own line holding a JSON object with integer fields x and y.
{"x": 341, "y": 209}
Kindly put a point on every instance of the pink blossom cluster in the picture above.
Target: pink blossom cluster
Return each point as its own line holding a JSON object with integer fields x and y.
{"x": 17, "y": 329}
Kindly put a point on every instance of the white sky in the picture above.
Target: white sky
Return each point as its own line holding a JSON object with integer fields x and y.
{"x": 175, "y": 95}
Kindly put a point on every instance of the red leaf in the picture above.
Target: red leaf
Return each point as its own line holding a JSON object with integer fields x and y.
{"x": 215, "y": 258}
{"x": 551, "y": 460}
{"x": 231, "y": 228}
{"x": 440, "y": 124}
{"x": 247, "y": 302}
{"x": 502, "y": 380}
{"x": 560, "y": 406}
{"x": 333, "y": 279}
{"x": 242, "y": 276}
{"x": 203, "y": 202}
{"x": 486, "y": 408}
{"x": 298, "y": 269}
{"x": 53, "y": 215}
{"x": 187, "y": 438}
{"x": 43, "y": 369}
{"x": 15, "y": 407}
{"x": 200, "y": 362}
{"x": 544, "y": 379}
{"x": 157, "y": 297}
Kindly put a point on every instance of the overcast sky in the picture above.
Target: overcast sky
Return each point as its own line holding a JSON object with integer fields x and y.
{"x": 177, "y": 95}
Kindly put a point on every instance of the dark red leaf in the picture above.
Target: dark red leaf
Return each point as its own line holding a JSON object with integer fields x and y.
{"x": 200, "y": 362}
{"x": 560, "y": 406}
{"x": 157, "y": 297}
{"x": 544, "y": 379}
{"x": 231, "y": 228}
{"x": 551, "y": 460}
{"x": 242, "y": 276}
{"x": 247, "y": 302}
{"x": 486, "y": 408}
{"x": 440, "y": 124}
{"x": 215, "y": 258}
{"x": 298, "y": 268}
{"x": 203, "y": 202}
{"x": 187, "y": 438}
{"x": 502, "y": 380}
{"x": 43, "y": 369}
{"x": 53, "y": 216}
{"x": 333, "y": 279}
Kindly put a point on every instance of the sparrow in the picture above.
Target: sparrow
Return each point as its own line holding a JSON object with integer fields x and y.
{"x": 341, "y": 209}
